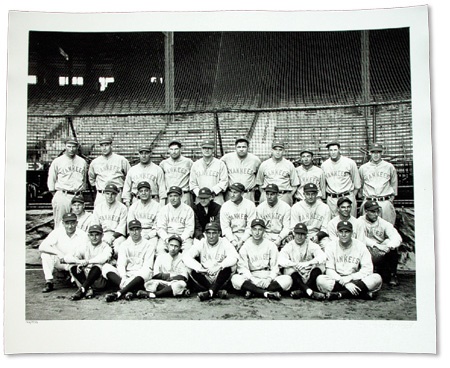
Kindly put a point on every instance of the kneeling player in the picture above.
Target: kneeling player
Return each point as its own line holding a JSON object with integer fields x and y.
{"x": 302, "y": 261}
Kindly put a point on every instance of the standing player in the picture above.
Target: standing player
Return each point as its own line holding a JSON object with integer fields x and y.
{"x": 242, "y": 167}
{"x": 309, "y": 173}
{"x": 206, "y": 211}
{"x": 342, "y": 178}
{"x": 210, "y": 261}
{"x": 276, "y": 215}
{"x": 176, "y": 170}
{"x": 379, "y": 183}
{"x": 66, "y": 178}
{"x": 109, "y": 167}
{"x": 382, "y": 240}
{"x": 344, "y": 206}
{"x": 349, "y": 268}
{"x": 145, "y": 170}
{"x": 84, "y": 218}
{"x": 236, "y": 216}
{"x": 209, "y": 172}
{"x": 58, "y": 245}
{"x": 280, "y": 171}
{"x": 302, "y": 261}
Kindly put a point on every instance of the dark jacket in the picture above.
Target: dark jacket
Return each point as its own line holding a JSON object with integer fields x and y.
{"x": 201, "y": 218}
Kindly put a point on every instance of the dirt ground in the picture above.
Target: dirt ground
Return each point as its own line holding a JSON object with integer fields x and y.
{"x": 392, "y": 303}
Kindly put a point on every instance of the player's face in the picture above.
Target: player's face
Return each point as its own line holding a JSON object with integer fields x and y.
{"x": 70, "y": 227}
{"x": 174, "y": 199}
{"x": 174, "y": 151}
{"x": 344, "y": 209}
{"x": 144, "y": 157}
{"x": 77, "y": 208}
{"x": 135, "y": 234}
{"x": 71, "y": 149}
{"x": 106, "y": 149}
{"x": 345, "y": 236}
{"x": 95, "y": 238}
{"x": 310, "y": 197}
{"x": 174, "y": 247}
{"x": 144, "y": 194}
{"x": 205, "y": 201}
{"x": 257, "y": 232}
{"x": 272, "y": 198}
{"x": 110, "y": 197}
{"x": 306, "y": 159}
{"x": 242, "y": 149}
{"x": 372, "y": 215}
{"x": 299, "y": 238}
{"x": 375, "y": 156}
{"x": 334, "y": 152}
{"x": 235, "y": 195}
{"x": 277, "y": 152}
{"x": 207, "y": 152}
{"x": 212, "y": 236}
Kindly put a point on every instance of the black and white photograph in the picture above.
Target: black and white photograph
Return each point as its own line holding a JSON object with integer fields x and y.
{"x": 181, "y": 175}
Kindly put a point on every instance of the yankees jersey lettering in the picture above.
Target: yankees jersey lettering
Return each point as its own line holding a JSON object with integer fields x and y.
{"x": 67, "y": 173}
{"x": 315, "y": 217}
{"x": 379, "y": 231}
{"x": 146, "y": 213}
{"x": 276, "y": 218}
{"x": 237, "y": 218}
{"x": 258, "y": 257}
{"x": 174, "y": 266}
{"x": 281, "y": 173}
{"x": 176, "y": 172}
{"x": 111, "y": 217}
{"x": 313, "y": 175}
{"x": 242, "y": 170}
{"x": 358, "y": 229}
{"x": 179, "y": 221}
{"x": 213, "y": 176}
{"x": 378, "y": 180}
{"x": 112, "y": 169}
{"x": 150, "y": 173}
{"x": 341, "y": 176}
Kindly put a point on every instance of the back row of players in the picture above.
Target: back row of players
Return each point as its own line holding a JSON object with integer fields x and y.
{"x": 236, "y": 177}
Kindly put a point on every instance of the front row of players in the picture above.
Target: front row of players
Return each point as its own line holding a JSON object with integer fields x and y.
{"x": 344, "y": 269}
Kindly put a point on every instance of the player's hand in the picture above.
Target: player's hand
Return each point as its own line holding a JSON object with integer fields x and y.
{"x": 345, "y": 280}
{"x": 202, "y": 270}
{"x": 213, "y": 270}
{"x": 265, "y": 283}
{"x": 350, "y": 286}
{"x": 382, "y": 247}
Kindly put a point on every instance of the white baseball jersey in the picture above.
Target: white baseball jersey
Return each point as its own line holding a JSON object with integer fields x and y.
{"x": 174, "y": 266}
{"x": 315, "y": 217}
{"x": 313, "y": 175}
{"x": 111, "y": 217}
{"x": 177, "y": 172}
{"x": 150, "y": 173}
{"x": 67, "y": 173}
{"x": 262, "y": 257}
{"x": 112, "y": 169}
{"x": 57, "y": 241}
{"x": 95, "y": 254}
{"x": 236, "y": 219}
{"x": 83, "y": 222}
{"x": 380, "y": 231}
{"x": 341, "y": 176}
{"x": 146, "y": 213}
{"x": 136, "y": 259}
{"x": 378, "y": 180}
{"x": 242, "y": 170}
{"x": 276, "y": 218}
{"x": 358, "y": 229}
{"x": 179, "y": 221}
{"x": 281, "y": 173}
{"x": 213, "y": 176}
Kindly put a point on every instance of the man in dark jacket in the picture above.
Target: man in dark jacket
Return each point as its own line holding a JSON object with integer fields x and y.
{"x": 206, "y": 211}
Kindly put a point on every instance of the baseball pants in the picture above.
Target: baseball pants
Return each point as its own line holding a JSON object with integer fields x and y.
{"x": 237, "y": 280}
{"x": 178, "y": 286}
{"x": 385, "y": 264}
{"x": 61, "y": 204}
{"x": 204, "y": 282}
{"x": 387, "y": 211}
{"x": 332, "y": 204}
{"x": 50, "y": 263}
{"x": 326, "y": 284}
{"x": 130, "y": 275}
{"x": 85, "y": 277}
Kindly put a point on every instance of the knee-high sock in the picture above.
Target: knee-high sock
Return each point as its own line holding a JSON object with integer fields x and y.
{"x": 222, "y": 278}
{"x": 134, "y": 285}
{"x": 201, "y": 280}
{"x": 165, "y": 291}
{"x": 315, "y": 273}
{"x": 361, "y": 285}
{"x": 81, "y": 277}
{"x": 114, "y": 278}
{"x": 274, "y": 286}
{"x": 249, "y": 286}
{"x": 93, "y": 275}
{"x": 298, "y": 282}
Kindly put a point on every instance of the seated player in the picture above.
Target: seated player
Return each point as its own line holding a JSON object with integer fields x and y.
{"x": 78, "y": 207}
{"x": 170, "y": 275}
{"x": 349, "y": 268}
{"x": 134, "y": 265}
{"x": 303, "y": 261}
{"x": 210, "y": 262}
{"x": 258, "y": 266}
{"x": 344, "y": 208}
{"x": 382, "y": 240}
{"x": 58, "y": 245}
{"x": 206, "y": 211}
{"x": 87, "y": 262}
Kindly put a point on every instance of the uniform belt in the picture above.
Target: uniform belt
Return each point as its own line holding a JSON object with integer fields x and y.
{"x": 186, "y": 191}
{"x": 102, "y": 191}
{"x": 70, "y": 192}
{"x": 146, "y": 228}
{"x": 333, "y": 195}
{"x": 262, "y": 269}
{"x": 385, "y": 198}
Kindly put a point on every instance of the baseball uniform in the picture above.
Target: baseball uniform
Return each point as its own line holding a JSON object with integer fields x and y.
{"x": 83, "y": 221}
{"x": 147, "y": 214}
{"x": 176, "y": 173}
{"x": 277, "y": 219}
{"x": 358, "y": 229}
{"x": 313, "y": 175}
{"x": 235, "y": 219}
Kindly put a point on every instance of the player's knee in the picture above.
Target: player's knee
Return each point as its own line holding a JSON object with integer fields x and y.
{"x": 237, "y": 281}
{"x": 284, "y": 281}
{"x": 324, "y": 283}
{"x": 178, "y": 287}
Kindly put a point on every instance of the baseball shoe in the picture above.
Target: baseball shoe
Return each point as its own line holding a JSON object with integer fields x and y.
{"x": 248, "y": 295}
{"x": 204, "y": 295}
{"x": 89, "y": 293}
{"x": 297, "y": 294}
{"x": 129, "y": 296}
{"x": 274, "y": 295}
{"x": 48, "y": 287}
{"x": 186, "y": 293}
{"x": 368, "y": 296}
{"x": 318, "y": 296}
{"x": 111, "y": 297}
{"x": 142, "y": 294}
{"x": 78, "y": 294}
{"x": 334, "y": 295}
{"x": 222, "y": 294}
{"x": 393, "y": 281}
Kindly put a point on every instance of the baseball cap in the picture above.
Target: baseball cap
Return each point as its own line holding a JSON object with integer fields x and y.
{"x": 143, "y": 184}
{"x": 306, "y": 151}
{"x": 105, "y": 139}
{"x": 175, "y": 189}
{"x": 259, "y": 222}
{"x": 212, "y": 226}
{"x": 345, "y": 225}
{"x": 176, "y": 237}
{"x": 343, "y": 200}
{"x": 371, "y": 205}
{"x": 134, "y": 224}
{"x": 95, "y": 229}
{"x": 174, "y": 141}
{"x": 310, "y": 187}
{"x": 77, "y": 198}
{"x": 204, "y": 193}
{"x": 376, "y": 147}
{"x": 145, "y": 147}
{"x": 71, "y": 141}
{"x": 300, "y": 229}
{"x": 333, "y": 143}
{"x": 208, "y": 143}
{"x": 111, "y": 188}
{"x": 272, "y": 188}
{"x": 277, "y": 144}
{"x": 69, "y": 217}
{"x": 237, "y": 186}
{"x": 241, "y": 139}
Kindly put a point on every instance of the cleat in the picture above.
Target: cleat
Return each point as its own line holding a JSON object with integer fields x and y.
{"x": 111, "y": 297}
{"x": 186, "y": 293}
{"x": 129, "y": 296}
{"x": 142, "y": 294}
{"x": 204, "y": 295}
{"x": 274, "y": 295}
{"x": 297, "y": 294}
{"x": 368, "y": 296}
{"x": 248, "y": 295}
{"x": 334, "y": 295}
{"x": 222, "y": 294}
{"x": 48, "y": 287}
{"x": 318, "y": 296}
{"x": 78, "y": 295}
{"x": 89, "y": 293}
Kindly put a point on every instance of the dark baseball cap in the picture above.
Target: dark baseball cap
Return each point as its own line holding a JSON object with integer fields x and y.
{"x": 259, "y": 222}
{"x": 176, "y": 237}
{"x": 71, "y": 141}
{"x": 111, "y": 188}
{"x": 301, "y": 229}
{"x": 306, "y": 151}
{"x": 67, "y": 217}
{"x": 212, "y": 226}
{"x": 208, "y": 143}
{"x": 95, "y": 229}
{"x": 345, "y": 225}
{"x": 77, "y": 198}
{"x": 371, "y": 206}
{"x": 145, "y": 148}
{"x": 174, "y": 141}
{"x": 272, "y": 188}
{"x": 376, "y": 147}
{"x": 237, "y": 186}
{"x": 333, "y": 143}
{"x": 176, "y": 190}
{"x": 204, "y": 193}
{"x": 106, "y": 139}
{"x": 310, "y": 187}
{"x": 277, "y": 144}
{"x": 343, "y": 200}
{"x": 134, "y": 224}
{"x": 143, "y": 184}
{"x": 241, "y": 139}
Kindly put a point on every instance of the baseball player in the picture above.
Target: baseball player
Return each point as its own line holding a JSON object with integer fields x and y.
{"x": 344, "y": 206}
{"x": 313, "y": 213}
{"x": 280, "y": 171}
{"x": 379, "y": 183}
{"x": 242, "y": 167}
{"x": 257, "y": 269}
{"x": 110, "y": 168}
{"x": 170, "y": 275}
{"x": 58, "y": 245}
{"x": 382, "y": 240}
{"x": 112, "y": 216}
{"x": 175, "y": 218}
{"x": 84, "y": 218}
{"x": 302, "y": 261}
{"x": 349, "y": 268}
{"x": 309, "y": 173}
{"x": 209, "y": 172}
{"x": 342, "y": 178}
{"x": 146, "y": 211}
{"x": 66, "y": 178}
{"x": 205, "y": 211}
{"x": 148, "y": 171}
{"x": 134, "y": 265}
{"x": 176, "y": 170}
{"x": 211, "y": 261}
{"x": 236, "y": 216}
{"x": 276, "y": 215}
{"x": 86, "y": 264}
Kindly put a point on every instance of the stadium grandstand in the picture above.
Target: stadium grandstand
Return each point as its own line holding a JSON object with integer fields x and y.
{"x": 305, "y": 88}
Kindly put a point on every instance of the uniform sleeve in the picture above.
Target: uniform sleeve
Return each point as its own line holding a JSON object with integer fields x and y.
{"x": 295, "y": 215}
{"x": 286, "y": 224}
{"x": 103, "y": 256}
{"x": 189, "y": 224}
{"x": 361, "y": 176}
{"x": 319, "y": 255}
{"x": 227, "y": 232}
{"x": 126, "y": 194}
{"x": 332, "y": 230}
{"x": 49, "y": 243}
{"x": 366, "y": 265}
{"x": 122, "y": 225}
{"x": 125, "y": 167}
{"x": 355, "y": 175}
{"x": 242, "y": 267}
{"x": 222, "y": 185}
{"x": 326, "y": 219}
{"x": 157, "y": 268}
{"x": 284, "y": 259}
{"x": 260, "y": 175}
{"x": 78, "y": 254}
{"x": 232, "y": 255}
{"x": 360, "y": 232}
{"x": 394, "y": 179}
{"x": 122, "y": 261}
{"x": 323, "y": 184}
{"x": 130, "y": 214}
{"x": 274, "y": 269}
{"x": 295, "y": 181}
{"x": 149, "y": 259}
{"x": 91, "y": 173}
{"x": 251, "y": 216}
{"x": 160, "y": 179}
{"x": 161, "y": 226}
{"x": 394, "y": 237}
{"x": 330, "y": 265}
{"x": 52, "y": 175}
{"x": 189, "y": 257}
{"x": 193, "y": 181}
